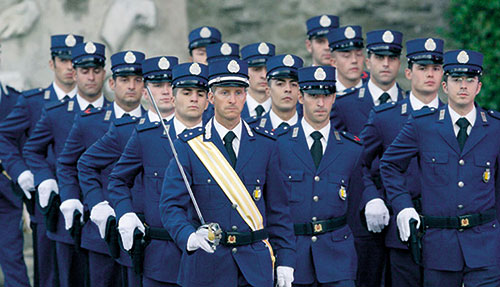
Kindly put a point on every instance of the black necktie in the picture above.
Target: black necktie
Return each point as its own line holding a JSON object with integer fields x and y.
{"x": 65, "y": 98}
{"x": 424, "y": 108}
{"x": 125, "y": 115}
{"x": 316, "y": 148}
{"x": 259, "y": 110}
{"x": 228, "y": 143}
{"x": 283, "y": 125}
{"x": 463, "y": 123}
{"x": 384, "y": 98}
{"x": 88, "y": 108}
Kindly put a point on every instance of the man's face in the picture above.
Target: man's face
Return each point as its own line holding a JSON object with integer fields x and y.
{"x": 63, "y": 70}
{"x": 319, "y": 50}
{"x": 257, "y": 78}
{"x": 317, "y": 107}
{"x": 349, "y": 64}
{"x": 128, "y": 89}
{"x": 162, "y": 93}
{"x": 425, "y": 79}
{"x": 190, "y": 103}
{"x": 284, "y": 93}
{"x": 199, "y": 55}
{"x": 462, "y": 90}
{"x": 89, "y": 80}
{"x": 228, "y": 102}
{"x": 383, "y": 69}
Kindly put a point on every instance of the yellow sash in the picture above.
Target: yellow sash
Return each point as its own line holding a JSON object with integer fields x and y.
{"x": 229, "y": 181}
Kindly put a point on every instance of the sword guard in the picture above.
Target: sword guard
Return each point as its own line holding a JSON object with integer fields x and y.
{"x": 214, "y": 234}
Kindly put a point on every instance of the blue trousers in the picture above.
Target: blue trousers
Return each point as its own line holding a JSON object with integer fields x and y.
{"x": 372, "y": 259}
{"x": 72, "y": 265}
{"x": 343, "y": 283}
{"x": 45, "y": 256}
{"x": 104, "y": 271}
{"x": 477, "y": 277}
{"x": 148, "y": 282}
{"x": 404, "y": 272}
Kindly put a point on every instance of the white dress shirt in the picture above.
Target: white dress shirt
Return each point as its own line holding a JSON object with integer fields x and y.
{"x": 276, "y": 121}
{"x": 119, "y": 112}
{"x": 83, "y": 103}
{"x": 308, "y": 130}
{"x": 252, "y": 104}
{"x": 417, "y": 104}
{"x": 376, "y": 92}
{"x": 222, "y": 131}
{"x": 60, "y": 93}
{"x": 471, "y": 117}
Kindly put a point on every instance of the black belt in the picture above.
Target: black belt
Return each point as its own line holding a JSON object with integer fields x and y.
{"x": 320, "y": 226}
{"x": 156, "y": 233}
{"x": 232, "y": 238}
{"x": 459, "y": 222}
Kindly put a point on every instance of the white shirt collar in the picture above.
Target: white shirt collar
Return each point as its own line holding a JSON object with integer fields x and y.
{"x": 276, "y": 120}
{"x": 471, "y": 117}
{"x": 153, "y": 117}
{"x": 376, "y": 92}
{"x": 308, "y": 130}
{"x": 60, "y": 93}
{"x": 83, "y": 103}
{"x": 252, "y": 104}
{"x": 119, "y": 111}
{"x": 180, "y": 127}
{"x": 222, "y": 131}
{"x": 416, "y": 104}
{"x": 341, "y": 88}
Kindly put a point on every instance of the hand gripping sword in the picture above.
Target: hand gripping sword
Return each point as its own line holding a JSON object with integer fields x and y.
{"x": 214, "y": 230}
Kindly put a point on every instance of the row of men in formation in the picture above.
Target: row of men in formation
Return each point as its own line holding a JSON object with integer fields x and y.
{"x": 254, "y": 171}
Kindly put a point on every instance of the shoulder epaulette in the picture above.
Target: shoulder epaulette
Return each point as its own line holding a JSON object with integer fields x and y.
{"x": 147, "y": 126}
{"x": 190, "y": 134}
{"x": 352, "y": 137}
{"x": 54, "y": 104}
{"x": 264, "y": 132}
{"x": 12, "y": 91}
{"x": 384, "y": 107}
{"x": 494, "y": 114}
{"x": 423, "y": 112}
{"x": 252, "y": 120}
{"x": 125, "y": 121}
{"x": 93, "y": 111}
{"x": 282, "y": 131}
{"x": 346, "y": 92}
{"x": 32, "y": 92}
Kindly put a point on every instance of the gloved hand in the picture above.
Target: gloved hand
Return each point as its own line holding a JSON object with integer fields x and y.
{"x": 44, "y": 189}
{"x": 99, "y": 214}
{"x": 126, "y": 226}
{"x": 68, "y": 208}
{"x": 199, "y": 239}
{"x": 377, "y": 215}
{"x": 284, "y": 276}
{"x": 403, "y": 221}
{"x": 26, "y": 181}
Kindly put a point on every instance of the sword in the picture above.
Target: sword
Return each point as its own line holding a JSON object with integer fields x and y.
{"x": 214, "y": 230}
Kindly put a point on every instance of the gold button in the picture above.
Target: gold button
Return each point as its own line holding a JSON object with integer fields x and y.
{"x": 314, "y": 218}
{"x": 433, "y": 160}
{"x": 234, "y": 227}
{"x": 315, "y": 198}
{"x": 155, "y": 173}
{"x": 461, "y": 162}
{"x": 258, "y": 180}
{"x": 234, "y": 250}
{"x": 460, "y": 184}
{"x": 209, "y": 180}
{"x": 289, "y": 177}
{"x": 460, "y": 206}
{"x": 488, "y": 163}
{"x": 314, "y": 239}
{"x": 316, "y": 178}
{"x": 345, "y": 236}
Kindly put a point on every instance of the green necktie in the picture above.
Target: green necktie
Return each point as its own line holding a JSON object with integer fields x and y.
{"x": 228, "y": 144}
{"x": 463, "y": 123}
{"x": 316, "y": 148}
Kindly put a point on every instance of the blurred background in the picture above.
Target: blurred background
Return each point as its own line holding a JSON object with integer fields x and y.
{"x": 160, "y": 27}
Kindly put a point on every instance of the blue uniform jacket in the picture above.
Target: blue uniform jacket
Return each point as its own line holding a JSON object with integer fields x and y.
{"x": 384, "y": 124}
{"x": 258, "y": 167}
{"x": 148, "y": 153}
{"x": 265, "y": 123}
{"x": 315, "y": 193}
{"x": 451, "y": 184}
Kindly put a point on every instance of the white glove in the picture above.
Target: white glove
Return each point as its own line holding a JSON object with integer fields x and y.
{"x": 284, "y": 274}
{"x": 199, "y": 239}
{"x": 44, "y": 189}
{"x": 26, "y": 181}
{"x": 126, "y": 226}
{"x": 100, "y": 214}
{"x": 403, "y": 221}
{"x": 377, "y": 215}
{"x": 67, "y": 208}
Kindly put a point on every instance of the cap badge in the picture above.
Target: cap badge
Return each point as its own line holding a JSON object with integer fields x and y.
{"x": 463, "y": 57}
{"x": 388, "y": 37}
{"x": 325, "y": 21}
{"x": 205, "y": 32}
{"x": 70, "y": 40}
{"x": 319, "y": 74}
{"x": 225, "y": 49}
{"x": 129, "y": 57}
{"x": 90, "y": 48}
{"x": 233, "y": 67}
{"x": 263, "y": 49}
{"x": 430, "y": 45}
{"x": 349, "y": 33}
{"x": 195, "y": 69}
{"x": 163, "y": 63}
{"x": 288, "y": 60}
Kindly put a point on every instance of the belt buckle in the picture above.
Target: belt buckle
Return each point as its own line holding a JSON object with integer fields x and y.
{"x": 317, "y": 227}
{"x": 231, "y": 238}
{"x": 464, "y": 221}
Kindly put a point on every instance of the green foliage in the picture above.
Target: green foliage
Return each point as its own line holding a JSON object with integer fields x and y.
{"x": 473, "y": 26}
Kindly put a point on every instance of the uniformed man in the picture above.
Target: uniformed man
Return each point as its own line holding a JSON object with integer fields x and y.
{"x": 283, "y": 89}
{"x": 51, "y": 131}
{"x": 234, "y": 174}
{"x": 19, "y": 125}
{"x": 127, "y": 84}
{"x": 222, "y": 51}
{"x": 317, "y": 42}
{"x": 258, "y": 101}
{"x": 318, "y": 163}
{"x": 148, "y": 152}
{"x": 425, "y": 59}
{"x": 94, "y": 165}
{"x": 199, "y": 39}
{"x": 457, "y": 151}
{"x": 350, "y": 112}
